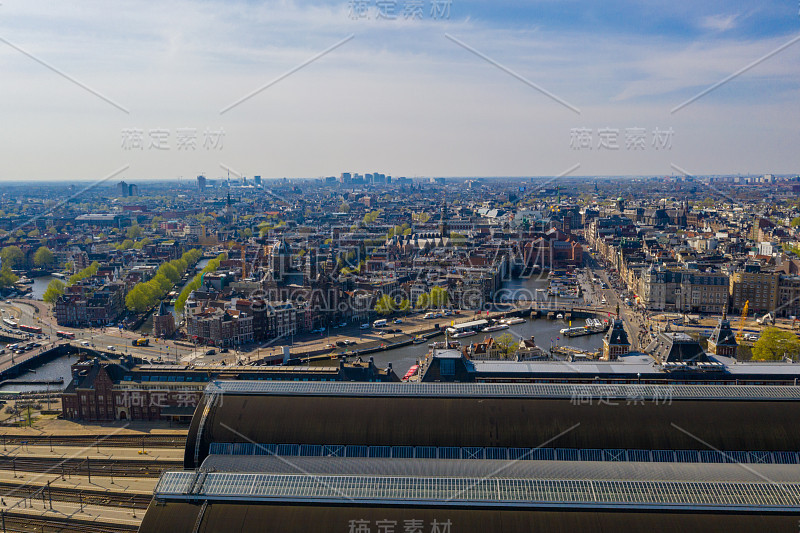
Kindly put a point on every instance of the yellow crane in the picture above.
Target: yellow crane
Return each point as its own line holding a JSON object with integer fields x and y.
{"x": 741, "y": 320}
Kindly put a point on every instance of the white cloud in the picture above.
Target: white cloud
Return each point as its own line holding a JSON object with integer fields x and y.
{"x": 720, "y": 23}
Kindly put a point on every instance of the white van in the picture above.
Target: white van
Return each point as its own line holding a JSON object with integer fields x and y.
{"x": 379, "y": 323}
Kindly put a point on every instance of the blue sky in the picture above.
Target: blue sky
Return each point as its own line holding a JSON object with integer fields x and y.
{"x": 399, "y": 96}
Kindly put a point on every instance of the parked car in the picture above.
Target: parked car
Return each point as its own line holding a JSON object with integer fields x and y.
{"x": 398, "y": 320}
{"x": 210, "y": 352}
{"x": 365, "y": 326}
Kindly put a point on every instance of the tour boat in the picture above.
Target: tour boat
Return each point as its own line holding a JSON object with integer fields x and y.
{"x": 494, "y": 327}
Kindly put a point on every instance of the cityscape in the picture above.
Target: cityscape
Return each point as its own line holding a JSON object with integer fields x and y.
{"x": 504, "y": 305}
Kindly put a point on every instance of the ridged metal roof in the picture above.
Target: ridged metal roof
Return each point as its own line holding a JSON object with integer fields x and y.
{"x": 710, "y": 456}
{"x": 507, "y": 390}
{"x": 480, "y": 468}
{"x": 490, "y": 491}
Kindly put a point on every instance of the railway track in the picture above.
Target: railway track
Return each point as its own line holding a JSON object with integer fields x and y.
{"x": 77, "y": 466}
{"x": 114, "y": 441}
{"x": 17, "y": 522}
{"x": 44, "y": 493}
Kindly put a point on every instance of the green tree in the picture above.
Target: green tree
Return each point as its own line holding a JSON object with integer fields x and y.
{"x": 795, "y": 222}
{"x": 438, "y": 297}
{"x": 212, "y": 266}
{"x": 136, "y": 299}
{"x": 43, "y": 257}
{"x": 385, "y": 305}
{"x": 127, "y": 244}
{"x": 423, "y": 301}
{"x": 404, "y": 305}
{"x": 169, "y": 271}
{"x": 87, "y": 272}
{"x": 774, "y": 343}
{"x": 371, "y": 217}
{"x": 506, "y": 344}
{"x": 134, "y": 232}
{"x": 141, "y": 244}
{"x": 54, "y": 289}
{"x": 344, "y": 207}
{"x": 12, "y": 256}
{"x": 7, "y": 278}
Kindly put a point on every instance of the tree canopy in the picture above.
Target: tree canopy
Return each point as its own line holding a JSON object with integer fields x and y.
{"x": 54, "y": 289}
{"x": 134, "y": 232}
{"x": 7, "y": 278}
{"x": 87, "y": 272}
{"x": 386, "y": 305}
{"x": 43, "y": 257}
{"x": 774, "y": 343}
{"x": 146, "y": 294}
{"x": 12, "y": 256}
{"x": 212, "y": 266}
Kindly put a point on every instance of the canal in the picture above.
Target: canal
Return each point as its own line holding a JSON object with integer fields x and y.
{"x": 545, "y": 332}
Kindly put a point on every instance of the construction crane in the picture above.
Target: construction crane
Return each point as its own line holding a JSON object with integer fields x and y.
{"x": 741, "y": 320}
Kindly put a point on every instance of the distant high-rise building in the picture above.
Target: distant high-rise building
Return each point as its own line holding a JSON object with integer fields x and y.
{"x": 122, "y": 189}
{"x": 201, "y": 182}
{"x": 133, "y": 190}
{"x": 257, "y": 180}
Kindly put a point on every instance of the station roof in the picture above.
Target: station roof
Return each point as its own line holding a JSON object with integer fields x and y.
{"x": 490, "y": 491}
{"x": 504, "y": 390}
{"x": 511, "y": 469}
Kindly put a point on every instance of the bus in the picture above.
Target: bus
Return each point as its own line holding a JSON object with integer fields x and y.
{"x": 10, "y": 323}
{"x": 140, "y": 342}
{"x": 30, "y": 329}
{"x": 65, "y": 334}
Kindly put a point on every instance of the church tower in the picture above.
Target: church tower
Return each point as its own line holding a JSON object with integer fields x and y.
{"x": 444, "y": 231}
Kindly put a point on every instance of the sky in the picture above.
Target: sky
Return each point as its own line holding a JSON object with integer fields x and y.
{"x": 133, "y": 90}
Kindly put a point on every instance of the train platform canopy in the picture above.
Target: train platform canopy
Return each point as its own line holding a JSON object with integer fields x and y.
{"x": 358, "y": 457}
{"x": 245, "y": 493}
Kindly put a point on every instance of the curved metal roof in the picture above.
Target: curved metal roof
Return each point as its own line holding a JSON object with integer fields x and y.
{"x": 505, "y": 390}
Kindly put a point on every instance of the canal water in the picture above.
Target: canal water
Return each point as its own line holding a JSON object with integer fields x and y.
{"x": 51, "y": 371}
{"x": 40, "y": 285}
{"x": 545, "y": 332}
